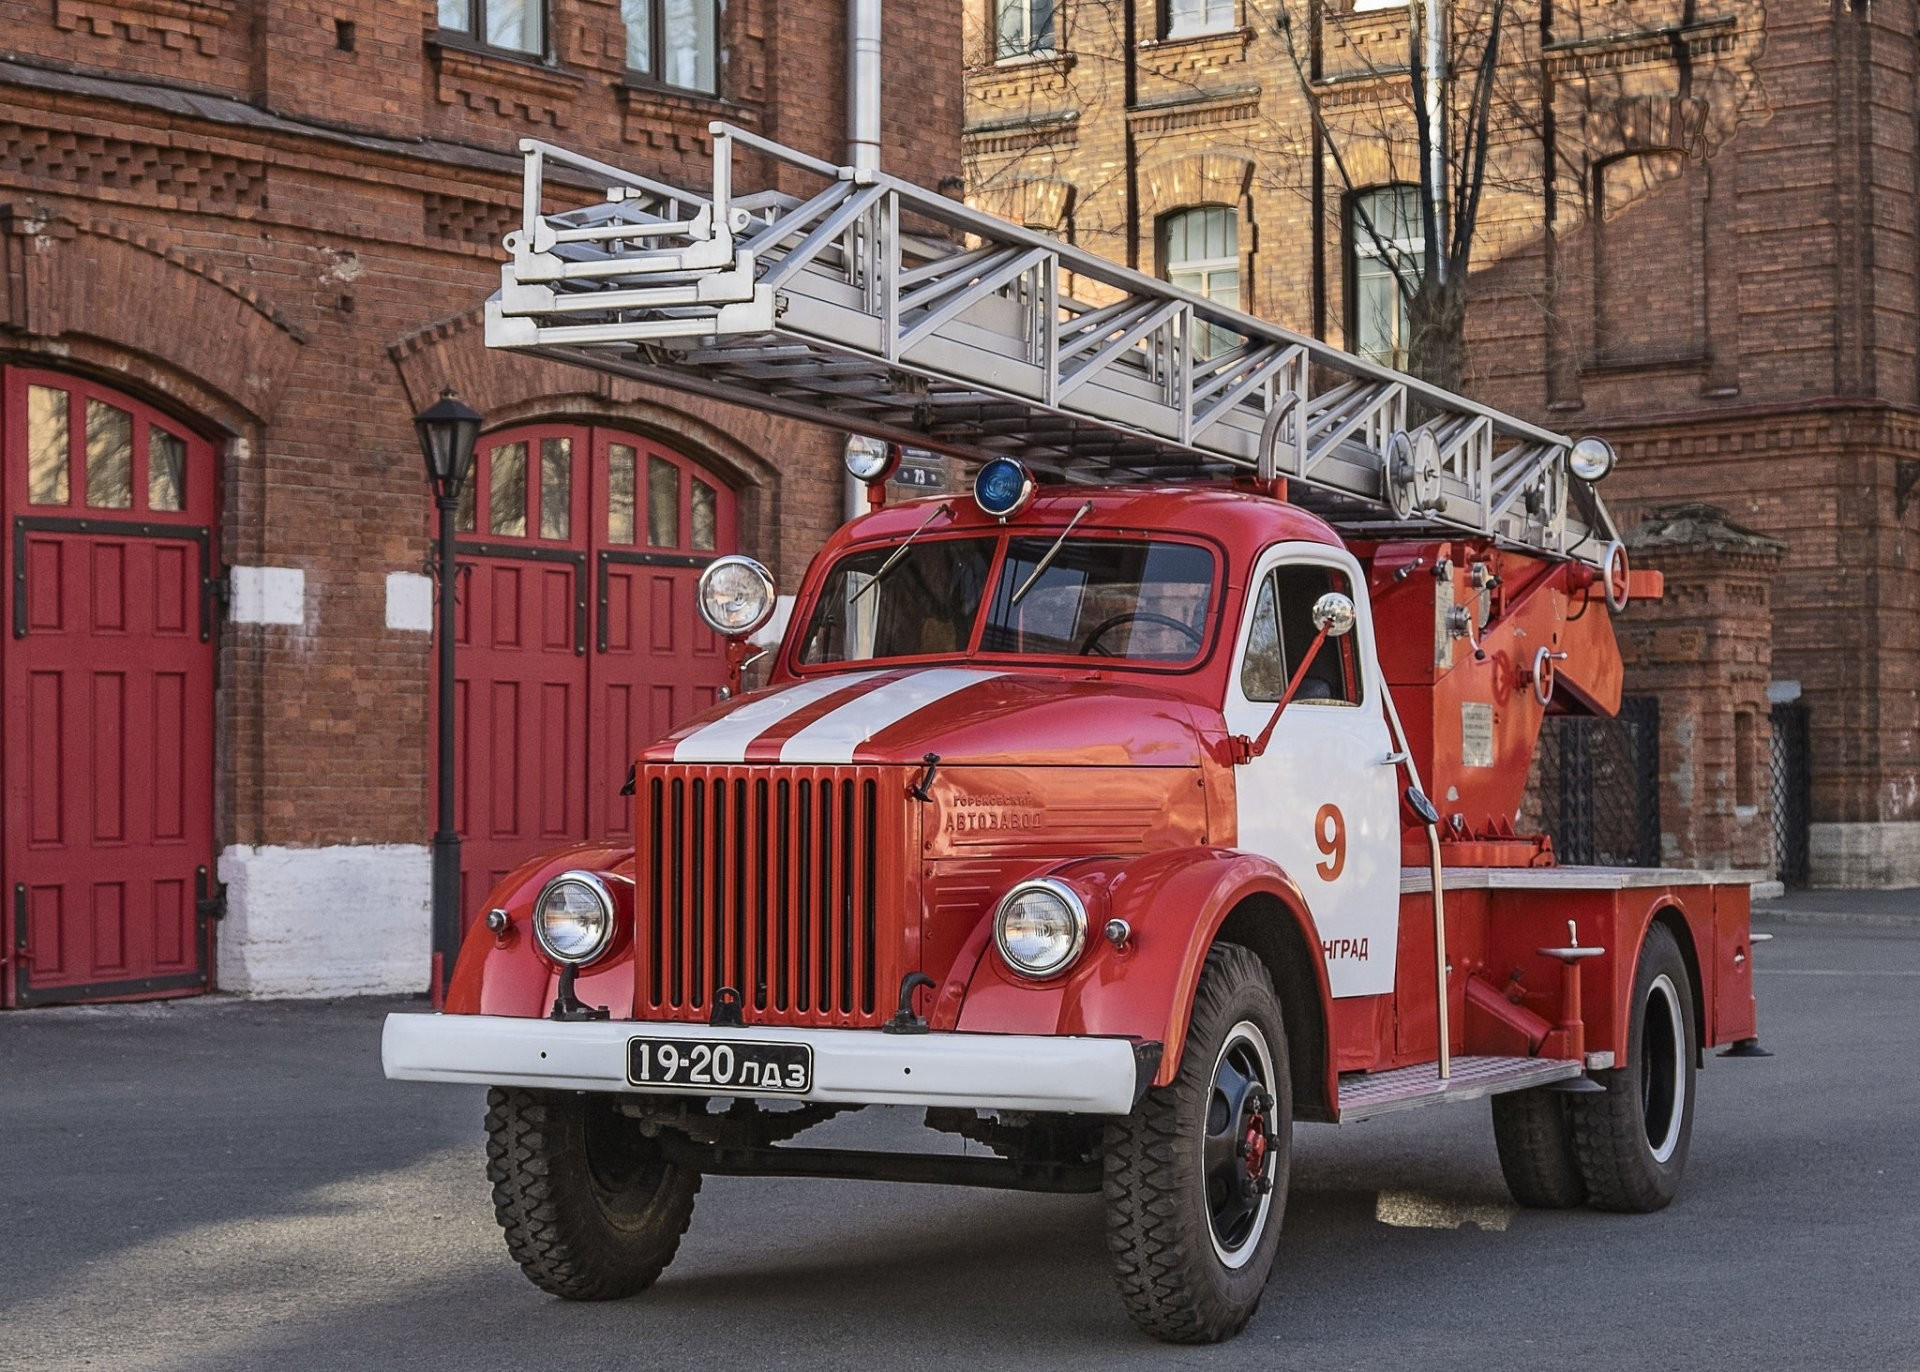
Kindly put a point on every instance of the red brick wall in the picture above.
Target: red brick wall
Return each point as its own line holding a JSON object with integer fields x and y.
{"x": 291, "y": 256}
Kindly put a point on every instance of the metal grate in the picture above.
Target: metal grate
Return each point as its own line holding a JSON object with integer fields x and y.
{"x": 1600, "y": 783}
{"x": 782, "y": 883}
{"x": 1792, "y": 791}
{"x": 1404, "y": 1088}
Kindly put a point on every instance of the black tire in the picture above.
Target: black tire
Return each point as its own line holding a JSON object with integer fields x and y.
{"x": 1535, "y": 1140}
{"x": 1632, "y": 1141}
{"x": 591, "y": 1210}
{"x": 1191, "y": 1247}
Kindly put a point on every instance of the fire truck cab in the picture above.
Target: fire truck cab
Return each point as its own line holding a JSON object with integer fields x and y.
{"x": 1165, "y": 791}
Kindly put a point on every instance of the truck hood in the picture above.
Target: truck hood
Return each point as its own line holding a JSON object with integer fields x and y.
{"x": 976, "y": 715}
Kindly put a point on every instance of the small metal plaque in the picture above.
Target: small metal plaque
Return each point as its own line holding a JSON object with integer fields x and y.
{"x": 1476, "y": 734}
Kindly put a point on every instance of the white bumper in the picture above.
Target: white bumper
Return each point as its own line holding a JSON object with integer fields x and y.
{"x": 1093, "y": 1076}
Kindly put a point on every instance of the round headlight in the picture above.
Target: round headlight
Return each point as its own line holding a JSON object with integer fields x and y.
{"x": 1040, "y": 927}
{"x": 573, "y": 919}
{"x": 736, "y": 595}
{"x": 871, "y": 459}
{"x": 1003, "y": 488}
{"x": 1591, "y": 458}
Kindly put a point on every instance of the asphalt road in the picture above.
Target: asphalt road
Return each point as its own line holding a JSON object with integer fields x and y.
{"x": 226, "y": 1185}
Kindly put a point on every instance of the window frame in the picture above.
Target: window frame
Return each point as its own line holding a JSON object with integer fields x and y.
{"x": 1354, "y": 249}
{"x": 1207, "y": 345}
{"x": 973, "y": 653}
{"x": 1170, "y": 32}
{"x": 655, "y": 79}
{"x": 474, "y": 35}
{"x": 1028, "y": 53}
{"x": 1355, "y": 647}
{"x": 198, "y": 488}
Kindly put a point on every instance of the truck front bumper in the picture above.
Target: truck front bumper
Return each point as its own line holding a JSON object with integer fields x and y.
{"x": 1090, "y": 1076}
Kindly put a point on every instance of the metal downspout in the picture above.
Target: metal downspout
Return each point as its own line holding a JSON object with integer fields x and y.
{"x": 863, "y": 144}
{"x": 863, "y": 84}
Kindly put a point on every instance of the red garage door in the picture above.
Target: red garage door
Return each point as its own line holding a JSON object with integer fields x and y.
{"x": 107, "y": 741}
{"x": 578, "y": 638}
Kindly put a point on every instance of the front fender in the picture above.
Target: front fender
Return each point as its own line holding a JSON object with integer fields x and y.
{"x": 506, "y": 975}
{"x": 1175, "y": 902}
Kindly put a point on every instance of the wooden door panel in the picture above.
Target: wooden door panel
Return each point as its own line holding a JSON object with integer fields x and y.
{"x": 111, "y": 773}
{"x": 520, "y": 694}
{"x": 578, "y": 640}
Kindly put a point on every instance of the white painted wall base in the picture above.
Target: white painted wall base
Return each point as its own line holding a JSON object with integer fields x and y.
{"x": 1864, "y": 857}
{"x": 346, "y": 921}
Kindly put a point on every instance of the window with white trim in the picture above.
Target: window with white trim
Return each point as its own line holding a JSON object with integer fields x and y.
{"x": 515, "y": 25}
{"x": 1188, "y": 18}
{"x": 1200, "y": 252}
{"x": 674, "y": 42}
{"x": 1024, "y": 28}
{"x": 1385, "y": 249}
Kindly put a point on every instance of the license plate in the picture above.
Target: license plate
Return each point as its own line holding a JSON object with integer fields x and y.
{"x": 720, "y": 1065}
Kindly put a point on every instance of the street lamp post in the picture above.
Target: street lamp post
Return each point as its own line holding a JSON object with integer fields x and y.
{"x": 447, "y": 430}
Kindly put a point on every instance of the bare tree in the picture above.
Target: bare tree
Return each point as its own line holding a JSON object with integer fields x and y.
{"x": 1451, "y": 134}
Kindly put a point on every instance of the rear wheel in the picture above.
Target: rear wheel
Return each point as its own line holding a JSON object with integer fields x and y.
{"x": 1632, "y": 1141}
{"x": 591, "y": 1209}
{"x": 1196, "y": 1177}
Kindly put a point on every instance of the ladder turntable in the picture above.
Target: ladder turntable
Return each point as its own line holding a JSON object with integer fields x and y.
{"x": 879, "y": 307}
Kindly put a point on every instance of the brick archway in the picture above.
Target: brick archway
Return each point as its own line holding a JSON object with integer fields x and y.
{"x": 173, "y": 315}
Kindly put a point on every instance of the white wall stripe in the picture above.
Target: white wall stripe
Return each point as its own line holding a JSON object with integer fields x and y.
{"x": 833, "y": 738}
{"x": 727, "y": 739}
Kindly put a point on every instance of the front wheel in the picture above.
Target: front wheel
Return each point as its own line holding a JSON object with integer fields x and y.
{"x": 1631, "y": 1142}
{"x": 1196, "y": 1177}
{"x": 591, "y": 1210}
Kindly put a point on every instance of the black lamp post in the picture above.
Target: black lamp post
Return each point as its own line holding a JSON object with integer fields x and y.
{"x": 447, "y": 432}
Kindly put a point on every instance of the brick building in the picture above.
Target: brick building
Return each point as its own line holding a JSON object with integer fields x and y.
{"x": 1698, "y": 239}
{"x": 241, "y": 244}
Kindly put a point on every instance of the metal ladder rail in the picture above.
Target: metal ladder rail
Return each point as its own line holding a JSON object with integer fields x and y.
{"x": 822, "y": 307}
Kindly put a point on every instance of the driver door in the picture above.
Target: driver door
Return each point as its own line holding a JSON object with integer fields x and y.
{"x": 1322, "y": 801}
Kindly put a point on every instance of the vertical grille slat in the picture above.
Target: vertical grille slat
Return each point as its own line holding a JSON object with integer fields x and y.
{"x": 771, "y": 881}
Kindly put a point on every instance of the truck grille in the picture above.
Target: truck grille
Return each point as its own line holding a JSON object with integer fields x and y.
{"x": 785, "y": 883}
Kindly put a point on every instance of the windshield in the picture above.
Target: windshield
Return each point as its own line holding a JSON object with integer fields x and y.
{"x": 1138, "y": 600}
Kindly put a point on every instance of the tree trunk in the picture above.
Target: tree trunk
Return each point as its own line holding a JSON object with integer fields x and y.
{"x": 1436, "y": 323}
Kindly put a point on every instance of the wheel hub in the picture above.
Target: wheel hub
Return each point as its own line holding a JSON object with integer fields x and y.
{"x": 1240, "y": 1146}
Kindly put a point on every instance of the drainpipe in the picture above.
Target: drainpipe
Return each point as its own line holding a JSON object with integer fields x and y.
{"x": 863, "y": 142}
{"x": 863, "y": 84}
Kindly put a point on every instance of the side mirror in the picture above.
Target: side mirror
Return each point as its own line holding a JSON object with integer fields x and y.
{"x": 1333, "y": 615}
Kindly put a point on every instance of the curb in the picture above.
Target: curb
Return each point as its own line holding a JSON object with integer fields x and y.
{"x": 1860, "y": 918}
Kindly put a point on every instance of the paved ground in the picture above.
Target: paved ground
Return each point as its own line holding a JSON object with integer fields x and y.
{"x": 220, "y": 1185}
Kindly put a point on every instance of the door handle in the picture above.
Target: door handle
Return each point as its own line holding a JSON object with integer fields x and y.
{"x": 1393, "y": 759}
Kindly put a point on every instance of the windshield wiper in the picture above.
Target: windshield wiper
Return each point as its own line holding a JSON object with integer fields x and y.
{"x": 1047, "y": 561}
{"x": 901, "y": 551}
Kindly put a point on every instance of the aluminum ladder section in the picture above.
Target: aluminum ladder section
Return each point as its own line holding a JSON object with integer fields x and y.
{"x": 859, "y": 300}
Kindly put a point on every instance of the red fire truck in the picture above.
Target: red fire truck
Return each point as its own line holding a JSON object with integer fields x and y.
{"x": 1160, "y": 793}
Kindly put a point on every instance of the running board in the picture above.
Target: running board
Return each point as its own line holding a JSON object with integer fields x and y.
{"x": 1405, "y": 1088}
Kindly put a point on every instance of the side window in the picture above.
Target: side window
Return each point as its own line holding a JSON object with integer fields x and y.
{"x": 1282, "y": 631}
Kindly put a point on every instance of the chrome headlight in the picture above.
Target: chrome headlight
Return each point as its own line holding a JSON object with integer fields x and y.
{"x": 573, "y": 920}
{"x": 1040, "y": 927}
{"x": 736, "y": 595}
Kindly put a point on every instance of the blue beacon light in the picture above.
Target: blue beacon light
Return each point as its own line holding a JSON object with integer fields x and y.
{"x": 1003, "y": 488}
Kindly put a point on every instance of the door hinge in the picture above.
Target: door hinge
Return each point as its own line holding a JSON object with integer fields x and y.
{"x": 210, "y": 897}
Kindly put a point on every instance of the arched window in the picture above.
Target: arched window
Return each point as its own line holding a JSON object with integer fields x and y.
{"x": 1385, "y": 251}
{"x": 1200, "y": 252}
{"x": 94, "y": 450}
